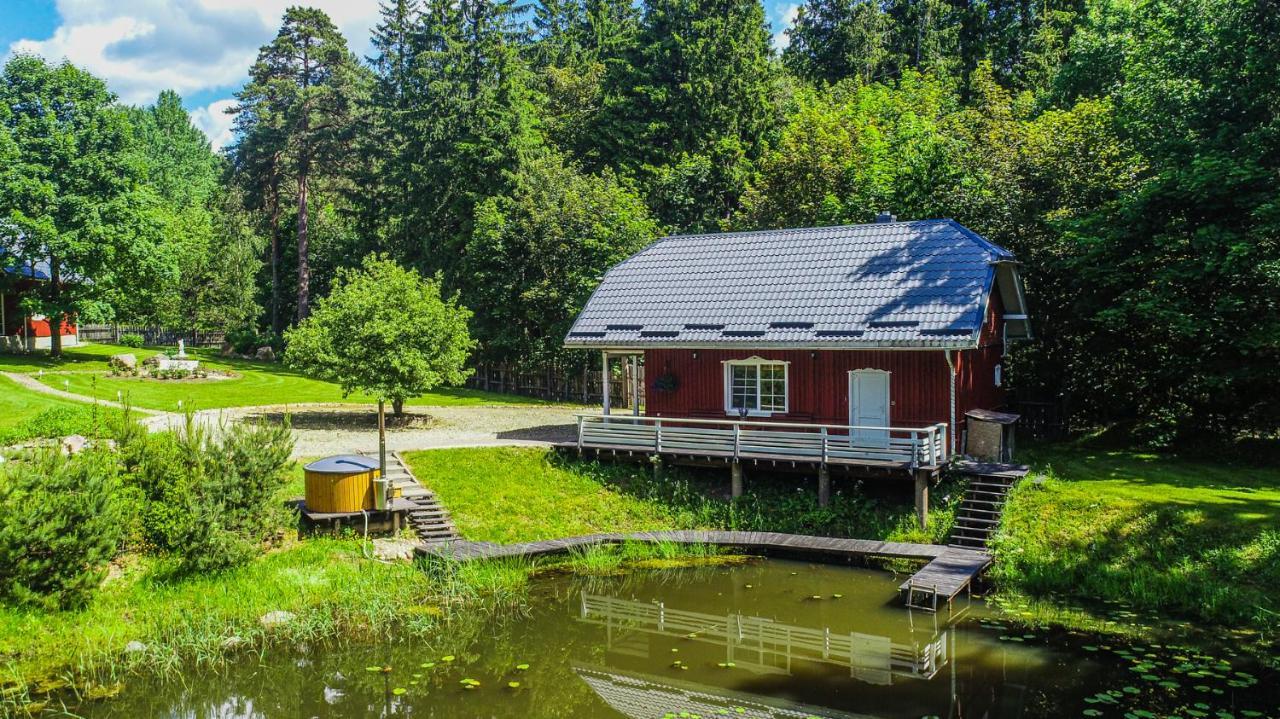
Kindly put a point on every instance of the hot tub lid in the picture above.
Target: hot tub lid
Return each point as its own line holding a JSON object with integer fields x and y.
{"x": 343, "y": 464}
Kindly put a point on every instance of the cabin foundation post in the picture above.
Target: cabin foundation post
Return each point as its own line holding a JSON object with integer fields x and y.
{"x": 824, "y": 485}
{"x": 922, "y": 497}
{"x": 656, "y": 460}
{"x": 735, "y": 470}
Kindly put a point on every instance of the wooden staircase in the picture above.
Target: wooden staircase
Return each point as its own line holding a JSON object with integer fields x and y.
{"x": 978, "y": 515}
{"x": 429, "y": 519}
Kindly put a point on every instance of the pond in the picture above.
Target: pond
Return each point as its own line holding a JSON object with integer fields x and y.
{"x": 770, "y": 638}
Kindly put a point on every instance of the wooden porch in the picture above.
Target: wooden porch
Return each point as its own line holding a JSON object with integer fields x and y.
{"x": 906, "y": 448}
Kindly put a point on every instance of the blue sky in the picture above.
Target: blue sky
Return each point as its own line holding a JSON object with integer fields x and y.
{"x": 200, "y": 48}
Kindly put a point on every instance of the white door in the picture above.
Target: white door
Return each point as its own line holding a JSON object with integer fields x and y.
{"x": 869, "y": 407}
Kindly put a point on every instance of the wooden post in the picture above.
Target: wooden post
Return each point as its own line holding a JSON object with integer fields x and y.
{"x": 657, "y": 467}
{"x": 922, "y": 497}
{"x": 604, "y": 381}
{"x": 736, "y": 479}
{"x": 635, "y": 385}
{"x": 824, "y": 485}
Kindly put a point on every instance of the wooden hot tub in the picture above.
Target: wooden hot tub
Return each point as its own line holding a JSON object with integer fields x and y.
{"x": 341, "y": 484}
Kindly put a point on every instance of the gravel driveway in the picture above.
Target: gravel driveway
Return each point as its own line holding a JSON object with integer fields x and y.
{"x": 326, "y": 429}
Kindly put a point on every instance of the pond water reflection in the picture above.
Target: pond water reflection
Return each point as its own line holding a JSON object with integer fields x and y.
{"x": 772, "y": 638}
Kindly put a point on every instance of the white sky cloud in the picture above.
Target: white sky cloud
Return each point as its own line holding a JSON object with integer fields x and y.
{"x": 141, "y": 47}
{"x": 215, "y": 122}
{"x": 784, "y": 18}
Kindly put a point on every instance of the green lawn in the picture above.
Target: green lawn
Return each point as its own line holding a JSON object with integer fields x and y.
{"x": 27, "y": 414}
{"x": 83, "y": 371}
{"x": 1159, "y": 532}
{"x": 515, "y": 494}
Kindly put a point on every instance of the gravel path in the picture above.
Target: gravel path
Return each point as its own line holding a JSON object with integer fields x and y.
{"x": 325, "y": 429}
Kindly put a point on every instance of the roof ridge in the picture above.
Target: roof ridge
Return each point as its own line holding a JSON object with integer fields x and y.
{"x": 979, "y": 240}
{"x": 814, "y": 228}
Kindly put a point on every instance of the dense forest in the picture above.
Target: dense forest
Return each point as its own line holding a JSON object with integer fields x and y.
{"x": 1128, "y": 152}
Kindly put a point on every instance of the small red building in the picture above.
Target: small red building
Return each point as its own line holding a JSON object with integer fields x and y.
{"x": 857, "y": 346}
{"x": 18, "y": 329}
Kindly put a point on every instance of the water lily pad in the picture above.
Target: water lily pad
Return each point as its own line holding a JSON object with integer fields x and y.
{"x": 514, "y": 685}
{"x": 373, "y": 669}
{"x": 399, "y": 691}
{"x": 427, "y": 665}
{"x": 447, "y": 658}
{"x": 522, "y": 667}
{"x": 1091, "y": 713}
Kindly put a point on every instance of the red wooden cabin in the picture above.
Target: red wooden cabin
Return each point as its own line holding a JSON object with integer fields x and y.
{"x": 18, "y": 329}
{"x": 860, "y": 347}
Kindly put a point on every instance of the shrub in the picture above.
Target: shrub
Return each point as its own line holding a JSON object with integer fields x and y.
{"x": 210, "y": 499}
{"x": 63, "y": 522}
{"x": 131, "y": 340}
{"x": 88, "y": 420}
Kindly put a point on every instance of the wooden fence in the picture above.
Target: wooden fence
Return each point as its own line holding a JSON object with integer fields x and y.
{"x": 559, "y": 384}
{"x": 151, "y": 335}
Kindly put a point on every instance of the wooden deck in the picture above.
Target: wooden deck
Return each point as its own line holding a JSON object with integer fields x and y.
{"x": 735, "y": 441}
{"x": 943, "y": 578}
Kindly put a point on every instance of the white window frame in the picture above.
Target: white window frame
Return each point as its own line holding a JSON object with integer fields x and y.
{"x": 731, "y": 411}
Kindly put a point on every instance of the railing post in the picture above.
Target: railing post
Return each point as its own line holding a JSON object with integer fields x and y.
{"x": 580, "y": 421}
{"x": 915, "y": 449}
{"x": 737, "y": 440}
{"x": 824, "y": 445}
{"x": 657, "y": 436}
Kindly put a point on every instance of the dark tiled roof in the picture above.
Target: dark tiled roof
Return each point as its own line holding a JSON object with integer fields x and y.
{"x": 922, "y": 283}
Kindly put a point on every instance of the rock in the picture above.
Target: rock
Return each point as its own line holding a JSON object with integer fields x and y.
{"x": 274, "y": 619}
{"x": 123, "y": 361}
{"x": 266, "y": 354}
{"x": 74, "y": 443}
{"x": 393, "y": 549}
{"x": 134, "y": 647}
{"x": 232, "y": 642}
{"x": 152, "y": 361}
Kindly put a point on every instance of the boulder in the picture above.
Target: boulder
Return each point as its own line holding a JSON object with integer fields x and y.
{"x": 123, "y": 361}
{"x": 266, "y": 354}
{"x": 134, "y": 647}
{"x": 274, "y": 619}
{"x": 152, "y": 361}
{"x": 394, "y": 549}
{"x": 74, "y": 443}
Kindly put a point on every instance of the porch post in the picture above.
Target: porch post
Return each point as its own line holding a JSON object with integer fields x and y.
{"x": 735, "y": 479}
{"x": 604, "y": 381}
{"x": 922, "y": 497}
{"x": 635, "y": 385}
{"x": 824, "y": 485}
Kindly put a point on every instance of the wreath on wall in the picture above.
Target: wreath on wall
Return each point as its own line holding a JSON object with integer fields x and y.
{"x": 667, "y": 382}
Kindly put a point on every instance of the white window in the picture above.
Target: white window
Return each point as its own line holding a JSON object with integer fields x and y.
{"x": 755, "y": 385}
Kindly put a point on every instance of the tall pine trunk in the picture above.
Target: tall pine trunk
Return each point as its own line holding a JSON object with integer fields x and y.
{"x": 304, "y": 268}
{"x": 275, "y": 259}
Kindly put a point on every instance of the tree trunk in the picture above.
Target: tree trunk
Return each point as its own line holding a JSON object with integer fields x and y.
{"x": 55, "y": 318}
{"x": 304, "y": 268}
{"x": 275, "y": 258}
{"x": 397, "y": 407}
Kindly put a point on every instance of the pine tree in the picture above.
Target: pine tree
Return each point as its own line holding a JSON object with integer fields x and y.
{"x": 692, "y": 105}
{"x": 473, "y": 124}
{"x": 302, "y": 90}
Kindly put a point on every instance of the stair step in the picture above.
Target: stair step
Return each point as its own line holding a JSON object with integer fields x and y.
{"x": 969, "y": 494}
{"x": 975, "y": 532}
{"x": 967, "y": 520}
{"x": 977, "y": 513}
{"x": 994, "y": 485}
{"x": 983, "y": 501}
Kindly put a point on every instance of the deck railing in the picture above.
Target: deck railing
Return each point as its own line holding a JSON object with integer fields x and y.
{"x": 734, "y": 439}
{"x": 762, "y": 644}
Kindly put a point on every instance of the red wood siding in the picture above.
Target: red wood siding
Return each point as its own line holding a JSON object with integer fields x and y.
{"x": 818, "y": 381}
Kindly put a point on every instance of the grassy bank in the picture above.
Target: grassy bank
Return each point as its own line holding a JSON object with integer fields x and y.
{"x": 1176, "y": 536}
{"x": 510, "y": 494}
{"x": 84, "y": 371}
{"x": 27, "y": 414}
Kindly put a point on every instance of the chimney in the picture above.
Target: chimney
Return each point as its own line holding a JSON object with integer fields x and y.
{"x": 886, "y": 216}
